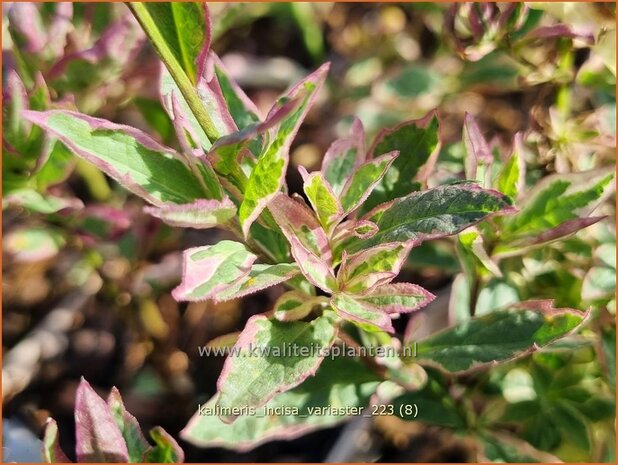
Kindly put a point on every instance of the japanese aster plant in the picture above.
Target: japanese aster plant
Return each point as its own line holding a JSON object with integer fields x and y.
{"x": 338, "y": 247}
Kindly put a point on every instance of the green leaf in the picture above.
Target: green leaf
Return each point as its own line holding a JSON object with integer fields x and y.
{"x": 498, "y": 337}
{"x": 417, "y": 143}
{"x": 363, "y": 181}
{"x": 201, "y": 214}
{"x": 361, "y": 313}
{"x": 212, "y": 269}
{"x": 344, "y": 156}
{"x": 556, "y": 200}
{"x": 434, "y": 405}
{"x": 36, "y": 202}
{"x": 52, "y": 453}
{"x": 437, "y": 212}
{"x": 267, "y": 177}
{"x": 322, "y": 198}
{"x": 264, "y": 365}
{"x": 511, "y": 178}
{"x": 572, "y": 424}
{"x": 129, "y": 427}
{"x": 340, "y": 385}
{"x": 502, "y": 447}
{"x": 259, "y": 278}
{"x": 132, "y": 158}
{"x": 166, "y": 449}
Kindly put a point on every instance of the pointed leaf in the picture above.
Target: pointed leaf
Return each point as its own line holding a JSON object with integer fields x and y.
{"x": 296, "y": 220}
{"x": 398, "y": 297}
{"x": 268, "y": 175}
{"x": 344, "y": 156}
{"x": 211, "y": 269}
{"x": 129, "y": 427}
{"x": 361, "y": 313}
{"x": 477, "y": 149}
{"x": 558, "y": 199}
{"x": 372, "y": 267}
{"x": 126, "y": 154}
{"x": 498, "y": 337}
{"x": 364, "y": 179}
{"x": 166, "y": 449}
{"x": 242, "y": 109}
{"x": 512, "y": 176}
{"x": 342, "y": 382}
{"x": 201, "y": 214}
{"x": 437, "y": 212}
{"x": 259, "y": 278}
{"x": 52, "y": 453}
{"x": 97, "y": 436}
{"x": 322, "y": 198}
{"x": 317, "y": 271}
{"x": 418, "y": 144}
{"x": 295, "y": 305}
{"x": 264, "y": 366}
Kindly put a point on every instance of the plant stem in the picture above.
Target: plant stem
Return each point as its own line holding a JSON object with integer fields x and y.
{"x": 187, "y": 88}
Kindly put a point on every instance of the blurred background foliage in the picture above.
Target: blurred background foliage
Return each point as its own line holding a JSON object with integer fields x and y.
{"x": 86, "y": 274}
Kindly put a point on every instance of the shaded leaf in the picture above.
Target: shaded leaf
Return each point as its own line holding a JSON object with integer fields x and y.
{"x": 434, "y": 213}
{"x": 500, "y": 336}
{"x": 52, "y": 453}
{"x": 417, "y": 143}
{"x": 97, "y": 436}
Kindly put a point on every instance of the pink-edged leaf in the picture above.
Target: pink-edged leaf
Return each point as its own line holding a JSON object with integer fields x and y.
{"x": 267, "y": 177}
{"x": 372, "y": 267}
{"x": 322, "y": 197}
{"x": 563, "y": 229}
{"x": 361, "y": 229}
{"x": 131, "y": 157}
{"x": 211, "y": 269}
{"x": 418, "y": 144}
{"x": 119, "y": 42}
{"x": 317, "y": 271}
{"x": 166, "y": 449}
{"x": 341, "y": 381}
{"x": 97, "y": 436}
{"x": 398, "y": 297}
{"x": 477, "y": 149}
{"x": 437, "y": 212}
{"x": 259, "y": 278}
{"x": 295, "y": 305}
{"x": 297, "y": 220}
{"x": 201, "y": 214}
{"x": 242, "y": 109}
{"x": 344, "y": 156}
{"x": 52, "y": 453}
{"x": 25, "y": 19}
{"x": 255, "y": 374}
{"x": 560, "y": 31}
{"x": 212, "y": 98}
{"x": 137, "y": 445}
{"x": 362, "y": 182}
{"x": 361, "y": 313}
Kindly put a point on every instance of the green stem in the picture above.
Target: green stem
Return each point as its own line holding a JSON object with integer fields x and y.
{"x": 140, "y": 11}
